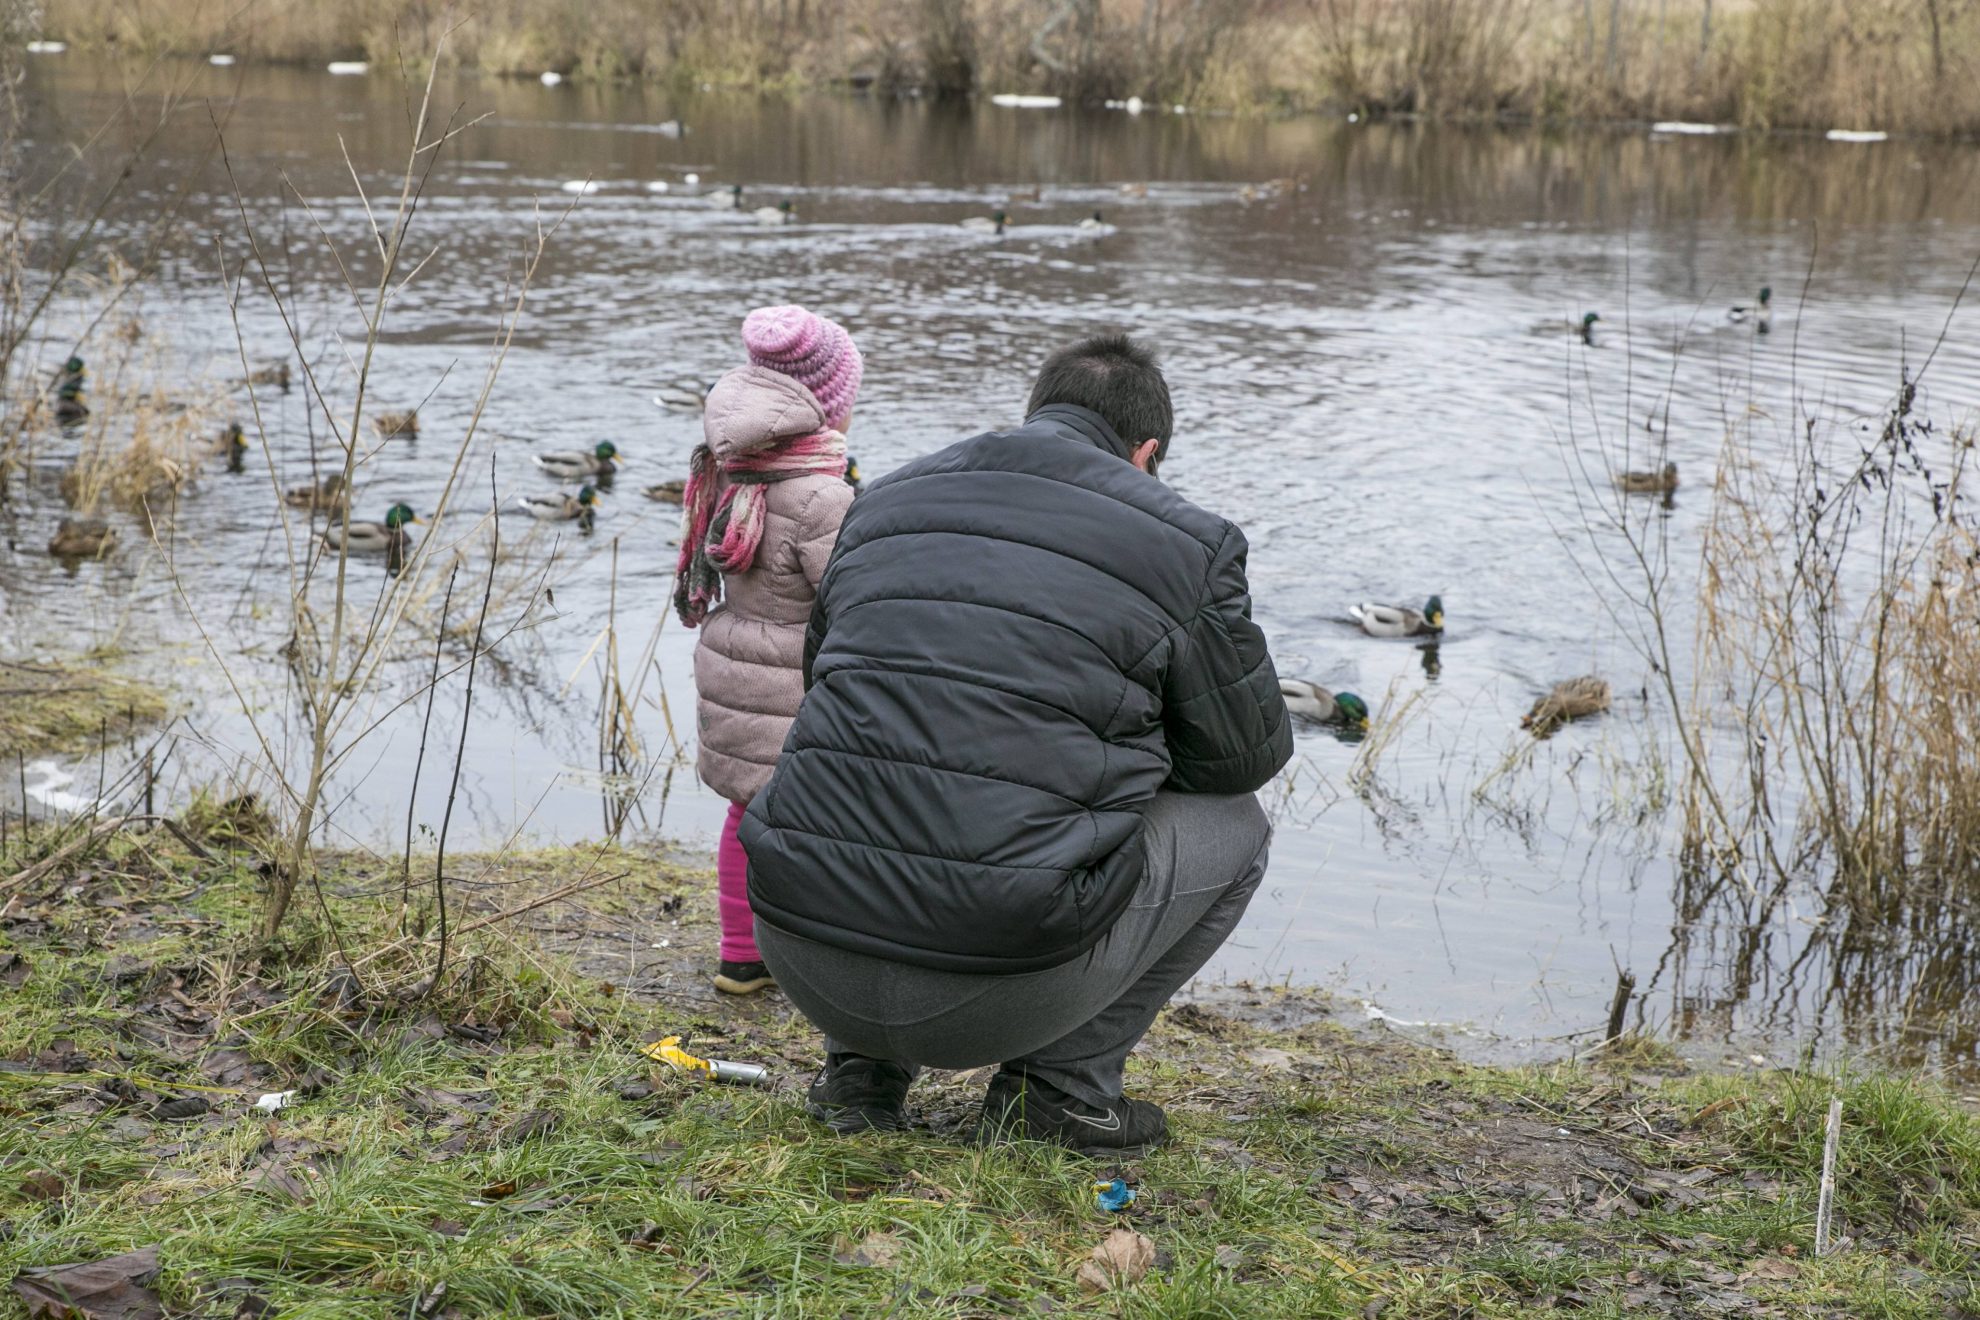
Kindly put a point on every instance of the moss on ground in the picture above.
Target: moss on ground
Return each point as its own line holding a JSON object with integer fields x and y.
{"x": 501, "y": 1148}
{"x": 70, "y": 705}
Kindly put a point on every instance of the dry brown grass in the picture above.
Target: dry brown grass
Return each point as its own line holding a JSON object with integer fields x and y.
{"x": 1841, "y": 613}
{"x": 1891, "y": 64}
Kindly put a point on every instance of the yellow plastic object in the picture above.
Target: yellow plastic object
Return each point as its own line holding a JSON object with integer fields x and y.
{"x": 669, "y": 1051}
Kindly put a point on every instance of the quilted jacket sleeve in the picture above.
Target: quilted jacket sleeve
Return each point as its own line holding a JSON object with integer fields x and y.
{"x": 1223, "y": 715}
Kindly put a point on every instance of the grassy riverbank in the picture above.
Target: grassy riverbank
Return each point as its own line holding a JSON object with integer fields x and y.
{"x": 69, "y": 705}
{"x": 1898, "y": 65}
{"x": 499, "y": 1147}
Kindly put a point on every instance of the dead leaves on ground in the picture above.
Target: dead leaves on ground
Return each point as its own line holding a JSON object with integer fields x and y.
{"x": 113, "y": 1289}
{"x": 1122, "y": 1258}
{"x": 879, "y": 1250}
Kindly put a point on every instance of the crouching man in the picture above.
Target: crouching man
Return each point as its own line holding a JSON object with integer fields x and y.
{"x": 1015, "y": 813}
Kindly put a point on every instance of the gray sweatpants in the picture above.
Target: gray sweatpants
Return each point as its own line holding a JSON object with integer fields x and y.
{"x": 1071, "y": 1025}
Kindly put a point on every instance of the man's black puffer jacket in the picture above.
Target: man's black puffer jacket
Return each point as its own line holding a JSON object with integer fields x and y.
{"x": 1017, "y": 642}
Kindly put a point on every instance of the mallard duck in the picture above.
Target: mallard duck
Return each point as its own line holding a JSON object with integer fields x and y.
{"x": 853, "y": 478}
{"x": 1135, "y": 190}
{"x": 1310, "y": 701}
{"x": 571, "y": 464}
{"x": 1661, "y": 482}
{"x": 372, "y": 537}
{"x": 82, "y": 538}
{"x": 1092, "y": 224}
{"x": 69, "y": 405}
{"x": 71, "y": 376}
{"x": 390, "y": 424}
{"x": 780, "y": 214}
{"x": 276, "y": 375}
{"x": 328, "y": 494}
{"x": 1761, "y": 314}
{"x": 667, "y": 492}
{"x": 561, "y": 508}
{"x": 683, "y": 396}
{"x": 730, "y": 199}
{"x": 994, "y": 223}
{"x": 1035, "y": 193}
{"x": 1571, "y": 699}
{"x": 234, "y": 446}
{"x": 1399, "y": 620}
{"x": 1585, "y": 328}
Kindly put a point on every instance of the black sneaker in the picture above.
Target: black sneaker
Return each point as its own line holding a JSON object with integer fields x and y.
{"x": 1019, "y": 1107}
{"x": 856, "y": 1094}
{"x": 743, "y": 978}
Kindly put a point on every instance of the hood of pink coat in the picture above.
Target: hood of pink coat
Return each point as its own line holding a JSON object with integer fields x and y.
{"x": 752, "y": 407}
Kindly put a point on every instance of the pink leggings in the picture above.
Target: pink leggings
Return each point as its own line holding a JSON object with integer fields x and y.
{"x": 732, "y": 877}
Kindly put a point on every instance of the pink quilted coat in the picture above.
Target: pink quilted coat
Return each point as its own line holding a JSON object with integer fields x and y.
{"x": 748, "y": 666}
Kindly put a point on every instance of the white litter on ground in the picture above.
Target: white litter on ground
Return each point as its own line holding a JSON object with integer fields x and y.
{"x": 346, "y": 68}
{"x": 1855, "y": 135}
{"x": 550, "y": 77}
{"x": 275, "y": 1100}
{"x": 47, "y": 47}
{"x": 222, "y": 60}
{"x": 1685, "y": 127}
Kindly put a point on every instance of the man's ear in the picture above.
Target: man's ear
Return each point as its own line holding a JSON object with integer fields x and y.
{"x": 1143, "y": 456}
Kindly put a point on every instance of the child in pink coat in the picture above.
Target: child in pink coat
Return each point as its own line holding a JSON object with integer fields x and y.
{"x": 765, "y": 495}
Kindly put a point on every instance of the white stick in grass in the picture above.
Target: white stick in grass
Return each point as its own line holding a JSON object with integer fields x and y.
{"x": 1826, "y": 1205}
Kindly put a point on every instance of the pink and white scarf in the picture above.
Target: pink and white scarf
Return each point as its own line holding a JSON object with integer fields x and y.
{"x": 721, "y": 530}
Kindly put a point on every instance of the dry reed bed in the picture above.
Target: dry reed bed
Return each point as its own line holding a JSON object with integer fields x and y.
{"x": 1902, "y": 65}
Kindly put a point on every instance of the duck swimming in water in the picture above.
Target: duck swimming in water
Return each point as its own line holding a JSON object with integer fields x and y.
{"x": 1399, "y": 620}
{"x": 82, "y": 538}
{"x": 329, "y": 494}
{"x": 1661, "y": 482}
{"x": 373, "y": 537}
{"x": 1571, "y": 699}
{"x": 994, "y": 223}
{"x": 580, "y": 508}
{"x": 1760, "y": 315}
{"x": 572, "y": 464}
{"x": 1310, "y": 701}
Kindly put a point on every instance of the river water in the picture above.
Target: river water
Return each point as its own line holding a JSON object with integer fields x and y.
{"x": 1371, "y": 372}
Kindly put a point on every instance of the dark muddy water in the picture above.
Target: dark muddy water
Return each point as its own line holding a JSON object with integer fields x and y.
{"x": 1371, "y": 376}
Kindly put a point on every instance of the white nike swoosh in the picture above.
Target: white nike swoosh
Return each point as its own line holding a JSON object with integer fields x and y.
{"x": 1112, "y": 1123}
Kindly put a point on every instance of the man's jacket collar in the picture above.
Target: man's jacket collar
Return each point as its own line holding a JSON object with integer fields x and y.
{"x": 1083, "y": 424}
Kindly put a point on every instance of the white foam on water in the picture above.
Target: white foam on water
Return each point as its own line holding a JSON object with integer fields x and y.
{"x": 1020, "y": 101}
{"x": 1855, "y": 135}
{"x": 348, "y": 68}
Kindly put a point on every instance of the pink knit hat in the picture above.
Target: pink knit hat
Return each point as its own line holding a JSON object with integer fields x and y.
{"x": 816, "y": 353}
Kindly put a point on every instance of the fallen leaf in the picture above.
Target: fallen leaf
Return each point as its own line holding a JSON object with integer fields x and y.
{"x": 879, "y": 1250}
{"x": 178, "y": 1111}
{"x": 281, "y": 1182}
{"x": 41, "y": 1185}
{"x": 496, "y": 1191}
{"x": 446, "y": 1228}
{"x": 14, "y": 970}
{"x": 536, "y": 1123}
{"x": 1770, "y": 1267}
{"x": 1122, "y": 1258}
{"x": 113, "y": 1289}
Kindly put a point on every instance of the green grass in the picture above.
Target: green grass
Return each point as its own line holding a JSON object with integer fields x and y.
{"x": 1338, "y": 1173}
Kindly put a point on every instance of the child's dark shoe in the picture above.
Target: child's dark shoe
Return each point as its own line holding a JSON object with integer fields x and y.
{"x": 743, "y": 978}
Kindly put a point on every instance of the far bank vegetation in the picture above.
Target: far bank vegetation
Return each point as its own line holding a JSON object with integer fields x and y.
{"x": 1898, "y": 65}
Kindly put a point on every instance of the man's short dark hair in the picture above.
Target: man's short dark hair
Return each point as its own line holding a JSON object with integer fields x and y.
{"x": 1115, "y": 377}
